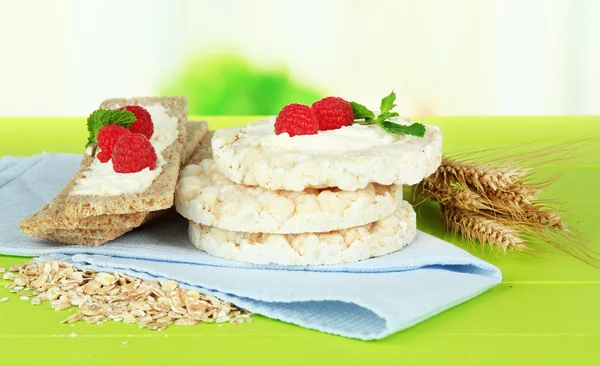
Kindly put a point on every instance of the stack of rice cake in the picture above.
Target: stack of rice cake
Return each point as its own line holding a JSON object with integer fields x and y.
{"x": 94, "y": 219}
{"x": 253, "y": 196}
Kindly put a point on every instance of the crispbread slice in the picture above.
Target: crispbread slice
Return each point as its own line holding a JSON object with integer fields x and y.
{"x": 203, "y": 151}
{"x": 75, "y": 239}
{"x": 84, "y": 234}
{"x": 52, "y": 217}
{"x": 89, "y": 237}
{"x": 160, "y": 193}
{"x": 194, "y": 135}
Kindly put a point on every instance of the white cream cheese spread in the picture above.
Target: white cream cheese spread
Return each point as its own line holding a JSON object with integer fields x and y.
{"x": 354, "y": 137}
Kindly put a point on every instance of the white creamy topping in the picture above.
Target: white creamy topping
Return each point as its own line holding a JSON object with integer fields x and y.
{"x": 101, "y": 179}
{"x": 354, "y": 137}
{"x": 165, "y": 128}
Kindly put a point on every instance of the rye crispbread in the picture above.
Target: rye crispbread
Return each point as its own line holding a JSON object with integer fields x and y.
{"x": 108, "y": 234}
{"x": 50, "y": 222}
{"x": 160, "y": 193}
{"x": 100, "y": 236}
{"x": 91, "y": 237}
{"x": 52, "y": 216}
{"x": 202, "y": 151}
{"x": 75, "y": 239}
{"x": 195, "y": 133}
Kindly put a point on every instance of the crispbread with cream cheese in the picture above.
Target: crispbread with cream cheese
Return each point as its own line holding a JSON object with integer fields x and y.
{"x": 343, "y": 246}
{"x": 348, "y": 158}
{"x": 52, "y": 217}
{"x": 204, "y": 196}
{"x": 159, "y": 194}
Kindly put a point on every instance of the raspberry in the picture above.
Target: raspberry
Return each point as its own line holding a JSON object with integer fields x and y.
{"x": 132, "y": 153}
{"x": 107, "y": 138}
{"x": 103, "y": 156}
{"x": 333, "y": 113}
{"x": 143, "y": 122}
{"x": 296, "y": 119}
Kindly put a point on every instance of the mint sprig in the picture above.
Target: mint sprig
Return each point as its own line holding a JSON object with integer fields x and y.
{"x": 364, "y": 116}
{"x": 387, "y": 103}
{"x": 103, "y": 117}
{"x": 416, "y": 129}
{"x": 360, "y": 112}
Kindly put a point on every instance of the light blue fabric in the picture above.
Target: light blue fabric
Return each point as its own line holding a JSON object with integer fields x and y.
{"x": 366, "y": 300}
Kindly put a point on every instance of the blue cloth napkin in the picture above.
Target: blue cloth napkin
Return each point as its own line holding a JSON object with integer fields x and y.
{"x": 365, "y": 300}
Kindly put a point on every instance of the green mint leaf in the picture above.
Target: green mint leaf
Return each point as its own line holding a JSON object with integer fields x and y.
{"x": 103, "y": 117}
{"x": 360, "y": 112}
{"x": 387, "y": 103}
{"x": 382, "y": 117}
{"x": 416, "y": 129}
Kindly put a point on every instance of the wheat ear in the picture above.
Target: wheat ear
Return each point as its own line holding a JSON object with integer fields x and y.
{"x": 514, "y": 206}
{"x": 445, "y": 194}
{"x": 515, "y": 194}
{"x": 473, "y": 226}
{"x": 477, "y": 175}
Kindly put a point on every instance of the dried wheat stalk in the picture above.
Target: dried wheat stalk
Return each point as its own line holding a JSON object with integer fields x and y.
{"x": 474, "y": 226}
{"x": 503, "y": 233}
{"x": 550, "y": 218}
{"x": 450, "y": 195}
{"x": 515, "y": 194}
{"x": 511, "y": 205}
{"x": 499, "y": 205}
{"x": 477, "y": 175}
{"x": 520, "y": 210}
{"x": 528, "y": 215}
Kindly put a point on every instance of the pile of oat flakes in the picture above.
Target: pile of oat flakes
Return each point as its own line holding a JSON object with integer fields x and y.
{"x": 103, "y": 296}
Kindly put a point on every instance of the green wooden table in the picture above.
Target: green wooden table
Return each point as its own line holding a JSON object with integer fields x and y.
{"x": 545, "y": 312}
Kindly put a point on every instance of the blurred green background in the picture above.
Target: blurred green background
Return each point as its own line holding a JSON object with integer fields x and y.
{"x": 229, "y": 84}
{"x": 236, "y": 57}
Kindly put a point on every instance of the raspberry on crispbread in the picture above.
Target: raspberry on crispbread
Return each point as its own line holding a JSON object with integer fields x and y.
{"x": 143, "y": 123}
{"x": 108, "y": 136}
